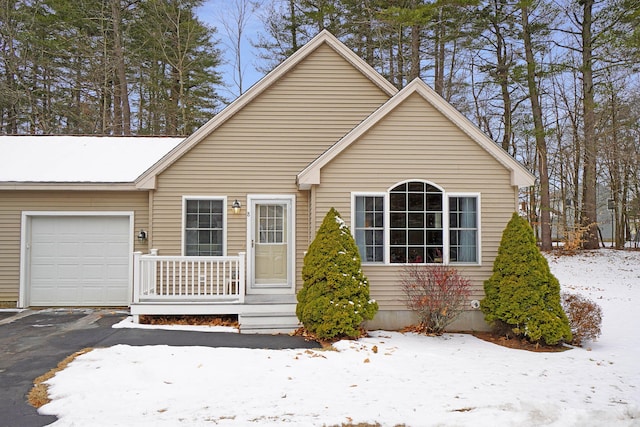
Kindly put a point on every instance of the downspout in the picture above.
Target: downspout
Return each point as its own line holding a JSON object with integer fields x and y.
{"x": 312, "y": 214}
{"x": 150, "y": 220}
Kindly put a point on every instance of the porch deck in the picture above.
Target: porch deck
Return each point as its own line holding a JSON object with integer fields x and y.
{"x": 176, "y": 285}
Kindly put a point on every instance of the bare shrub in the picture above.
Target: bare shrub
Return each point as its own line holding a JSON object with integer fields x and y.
{"x": 585, "y": 317}
{"x": 574, "y": 237}
{"x": 436, "y": 293}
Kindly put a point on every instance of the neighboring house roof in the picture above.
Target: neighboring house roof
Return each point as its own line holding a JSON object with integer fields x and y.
{"x": 78, "y": 159}
{"x": 147, "y": 180}
{"x": 520, "y": 176}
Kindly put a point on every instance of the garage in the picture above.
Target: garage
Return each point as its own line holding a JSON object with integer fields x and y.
{"x": 78, "y": 260}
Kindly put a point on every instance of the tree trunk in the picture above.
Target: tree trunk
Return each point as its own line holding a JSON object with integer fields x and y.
{"x": 172, "y": 110}
{"x": 502, "y": 74}
{"x": 414, "y": 72}
{"x": 589, "y": 217}
{"x": 438, "y": 84}
{"x": 392, "y": 68}
{"x": 400, "y": 65}
{"x": 541, "y": 143}
{"x": 294, "y": 26}
{"x": 121, "y": 89}
{"x": 416, "y": 39}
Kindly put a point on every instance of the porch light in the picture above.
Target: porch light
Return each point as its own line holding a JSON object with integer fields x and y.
{"x": 142, "y": 236}
{"x": 236, "y": 207}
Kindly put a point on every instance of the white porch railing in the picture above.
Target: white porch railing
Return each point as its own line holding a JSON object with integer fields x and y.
{"x": 188, "y": 278}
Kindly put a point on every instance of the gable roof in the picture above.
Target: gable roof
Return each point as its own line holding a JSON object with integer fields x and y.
{"x": 147, "y": 180}
{"x": 520, "y": 176}
{"x": 78, "y": 159}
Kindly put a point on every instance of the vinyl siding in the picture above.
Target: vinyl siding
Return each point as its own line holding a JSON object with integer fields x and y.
{"x": 13, "y": 203}
{"x": 262, "y": 148}
{"x": 416, "y": 142}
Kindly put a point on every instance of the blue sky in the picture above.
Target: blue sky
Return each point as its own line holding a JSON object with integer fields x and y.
{"x": 213, "y": 12}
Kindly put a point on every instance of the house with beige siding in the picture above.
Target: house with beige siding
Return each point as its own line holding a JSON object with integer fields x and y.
{"x": 219, "y": 222}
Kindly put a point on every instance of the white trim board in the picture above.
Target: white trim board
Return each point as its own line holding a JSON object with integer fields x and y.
{"x": 25, "y": 233}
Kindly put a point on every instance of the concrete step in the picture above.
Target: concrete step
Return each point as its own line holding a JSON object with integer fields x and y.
{"x": 268, "y": 322}
{"x": 256, "y": 309}
{"x": 270, "y": 299}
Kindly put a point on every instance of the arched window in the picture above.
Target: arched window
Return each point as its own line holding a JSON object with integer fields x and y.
{"x": 415, "y": 223}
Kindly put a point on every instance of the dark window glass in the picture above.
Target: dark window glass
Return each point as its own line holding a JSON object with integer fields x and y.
{"x": 204, "y": 228}
{"x": 415, "y": 218}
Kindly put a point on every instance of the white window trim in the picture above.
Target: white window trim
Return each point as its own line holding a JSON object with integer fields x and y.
{"x": 445, "y": 222}
{"x": 385, "y": 208}
{"x": 479, "y": 223}
{"x": 184, "y": 220}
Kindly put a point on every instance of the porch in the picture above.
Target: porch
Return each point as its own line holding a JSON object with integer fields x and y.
{"x": 199, "y": 285}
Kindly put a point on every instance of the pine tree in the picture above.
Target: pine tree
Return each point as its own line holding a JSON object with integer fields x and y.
{"x": 522, "y": 294}
{"x": 334, "y": 300}
{"x": 109, "y": 67}
{"x": 178, "y": 67}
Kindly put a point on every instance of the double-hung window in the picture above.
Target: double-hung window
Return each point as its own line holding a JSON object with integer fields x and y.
{"x": 204, "y": 226}
{"x": 417, "y": 222}
{"x": 369, "y": 227}
{"x": 463, "y": 229}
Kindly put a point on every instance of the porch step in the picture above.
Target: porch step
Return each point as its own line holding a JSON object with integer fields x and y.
{"x": 164, "y": 308}
{"x": 268, "y": 322}
{"x": 270, "y": 299}
{"x": 258, "y": 314}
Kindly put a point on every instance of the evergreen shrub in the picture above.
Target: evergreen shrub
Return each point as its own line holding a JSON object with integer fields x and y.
{"x": 522, "y": 294}
{"x": 334, "y": 300}
{"x": 436, "y": 293}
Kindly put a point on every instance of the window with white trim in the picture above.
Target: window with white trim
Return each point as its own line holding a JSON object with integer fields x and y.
{"x": 417, "y": 222}
{"x": 463, "y": 229}
{"x": 369, "y": 227}
{"x": 204, "y": 227}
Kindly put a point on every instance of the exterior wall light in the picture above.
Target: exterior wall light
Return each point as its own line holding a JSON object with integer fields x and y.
{"x": 236, "y": 206}
{"x": 142, "y": 236}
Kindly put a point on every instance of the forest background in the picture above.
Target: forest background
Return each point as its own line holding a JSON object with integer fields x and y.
{"x": 556, "y": 83}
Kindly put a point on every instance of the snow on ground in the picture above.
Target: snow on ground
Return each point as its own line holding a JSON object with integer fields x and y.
{"x": 389, "y": 377}
{"x": 128, "y": 324}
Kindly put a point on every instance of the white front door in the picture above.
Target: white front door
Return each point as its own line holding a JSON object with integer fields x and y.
{"x": 271, "y": 247}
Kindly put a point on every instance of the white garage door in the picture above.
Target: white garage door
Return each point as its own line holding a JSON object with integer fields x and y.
{"x": 79, "y": 261}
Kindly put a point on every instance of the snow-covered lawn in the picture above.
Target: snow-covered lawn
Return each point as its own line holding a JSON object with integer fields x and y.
{"x": 389, "y": 378}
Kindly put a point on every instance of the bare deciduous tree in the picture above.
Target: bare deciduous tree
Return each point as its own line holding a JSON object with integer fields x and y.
{"x": 234, "y": 20}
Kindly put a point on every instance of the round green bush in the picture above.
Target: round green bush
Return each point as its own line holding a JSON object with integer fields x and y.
{"x": 522, "y": 294}
{"x": 334, "y": 300}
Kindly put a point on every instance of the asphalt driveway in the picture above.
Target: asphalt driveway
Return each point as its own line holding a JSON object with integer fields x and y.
{"x": 33, "y": 342}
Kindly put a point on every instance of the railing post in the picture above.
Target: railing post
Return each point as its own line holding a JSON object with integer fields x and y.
{"x": 241, "y": 276}
{"x": 137, "y": 273}
{"x": 154, "y": 273}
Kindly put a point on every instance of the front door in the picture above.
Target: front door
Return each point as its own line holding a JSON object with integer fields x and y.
{"x": 271, "y": 247}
